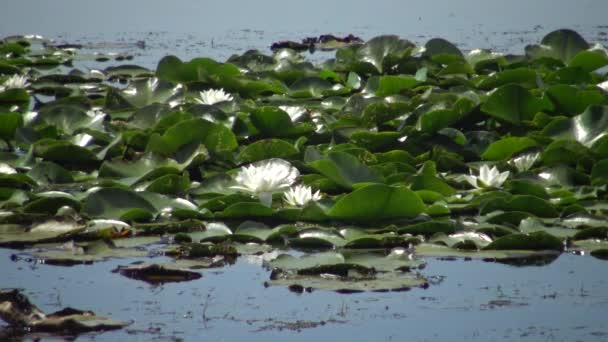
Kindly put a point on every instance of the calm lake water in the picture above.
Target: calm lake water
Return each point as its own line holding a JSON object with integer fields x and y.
{"x": 472, "y": 300}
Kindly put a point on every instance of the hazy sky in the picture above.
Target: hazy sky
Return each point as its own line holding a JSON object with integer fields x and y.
{"x": 402, "y": 17}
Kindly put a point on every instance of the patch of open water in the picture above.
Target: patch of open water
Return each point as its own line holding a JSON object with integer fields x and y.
{"x": 471, "y": 300}
{"x": 565, "y": 300}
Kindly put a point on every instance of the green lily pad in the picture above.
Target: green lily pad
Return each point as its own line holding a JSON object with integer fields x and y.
{"x": 513, "y": 104}
{"x": 114, "y": 203}
{"x": 561, "y": 44}
{"x": 72, "y": 254}
{"x": 538, "y": 240}
{"x": 267, "y": 149}
{"x": 433, "y": 250}
{"x": 570, "y": 101}
{"x": 47, "y": 231}
{"x": 217, "y": 138}
{"x": 354, "y": 282}
{"x": 389, "y": 84}
{"x": 427, "y": 179}
{"x": 507, "y": 147}
{"x": 429, "y": 228}
{"x": 377, "y": 202}
{"x": 9, "y": 122}
{"x": 344, "y": 169}
{"x": 274, "y": 122}
{"x": 586, "y": 128}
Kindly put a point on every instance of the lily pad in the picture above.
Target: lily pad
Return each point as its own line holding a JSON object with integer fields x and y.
{"x": 376, "y": 202}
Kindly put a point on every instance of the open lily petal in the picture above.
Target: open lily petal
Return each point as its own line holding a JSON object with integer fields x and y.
{"x": 300, "y": 195}
{"x": 266, "y": 177}
{"x": 213, "y": 96}
{"x": 488, "y": 177}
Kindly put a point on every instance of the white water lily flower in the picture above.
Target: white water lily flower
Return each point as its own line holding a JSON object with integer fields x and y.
{"x": 14, "y": 82}
{"x": 524, "y": 162}
{"x": 300, "y": 195}
{"x": 603, "y": 85}
{"x": 294, "y": 112}
{"x": 7, "y": 169}
{"x": 213, "y": 96}
{"x": 265, "y": 177}
{"x": 488, "y": 177}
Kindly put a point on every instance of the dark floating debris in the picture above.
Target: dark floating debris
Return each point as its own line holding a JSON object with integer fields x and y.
{"x": 156, "y": 274}
{"x": 324, "y": 42}
{"x": 16, "y": 310}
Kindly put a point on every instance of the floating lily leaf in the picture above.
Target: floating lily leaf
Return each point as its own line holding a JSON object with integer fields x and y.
{"x": 49, "y": 203}
{"x": 217, "y": 138}
{"x": 427, "y": 179}
{"x": 145, "y": 92}
{"x": 436, "y": 119}
{"x": 524, "y": 77}
{"x": 599, "y": 173}
{"x": 267, "y": 149}
{"x": 115, "y": 203}
{"x": 310, "y": 87}
{"x": 506, "y": 147}
{"x": 16, "y": 309}
{"x": 534, "y": 241}
{"x": 514, "y": 104}
{"x": 531, "y": 225}
{"x": 595, "y": 247}
{"x": 389, "y": 85}
{"x": 214, "y": 232}
{"x": 47, "y": 231}
{"x": 441, "y": 51}
{"x": 464, "y": 240}
{"x": 433, "y": 250}
{"x": 375, "y": 141}
{"x": 246, "y": 210}
{"x": 429, "y": 228}
{"x": 571, "y": 101}
{"x": 274, "y": 122}
{"x": 199, "y": 69}
{"x": 288, "y": 262}
{"x": 14, "y": 97}
{"x": 376, "y": 202}
{"x": 69, "y": 117}
{"x": 390, "y": 281}
{"x": 567, "y": 152}
{"x": 9, "y": 122}
{"x": 65, "y": 152}
{"x": 147, "y": 167}
{"x": 526, "y": 187}
{"x": 586, "y": 128}
{"x": 72, "y": 253}
{"x": 344, "y": 169}
{"x": 525, "y": 203}
{"x": 377, "y": 51}
{"x": 169, "y": 184}
{"x": 560, "y": 44}
{"x": 589, "y": 60}
{"x": 318, "y": 238}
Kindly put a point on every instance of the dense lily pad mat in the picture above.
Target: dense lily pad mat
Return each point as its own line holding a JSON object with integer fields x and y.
{"x": 387, "y": 149}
